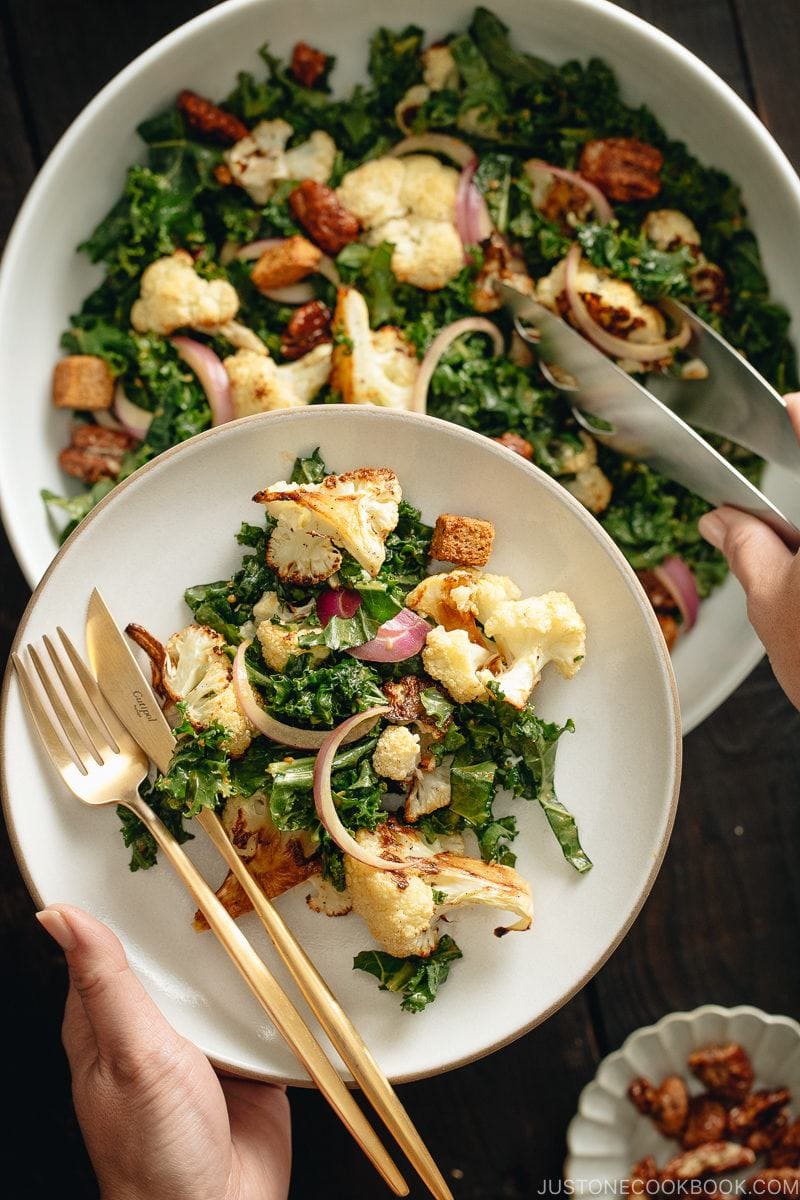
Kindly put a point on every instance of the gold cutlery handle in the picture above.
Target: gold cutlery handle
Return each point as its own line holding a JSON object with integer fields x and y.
{"x": 332, "y": 1017}
{"x": 272, "y": 999}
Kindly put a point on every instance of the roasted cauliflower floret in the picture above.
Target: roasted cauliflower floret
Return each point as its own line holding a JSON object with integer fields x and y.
{"x": 611, "y": 302}
{"x": 198, "y": 673}
{"x": 667, "y": 228}
{"x": 529, "y": 634}
{"x": 592, "y": 487}
{"x": 451, "y": 658}
{"x": 302, "y": 553}
{"x": 279, "y": 643}
{"x": 327, "y": 899}
{"x": 397, "y": 753}
{"x": 259, "y": 385}
{"x": 173, "y": 296}
{"x": 356, "y": 511}
{"x": 259, "y": 161}
{"x": 400, "y": 908}
{"x": 409, "y": 202}
{"x": 370, "y": 367}
{"x": 439, "y": 68}
{"x": 429, "y": 791}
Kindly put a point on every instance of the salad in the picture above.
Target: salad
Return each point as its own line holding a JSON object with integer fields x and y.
{"x": 355, "y": 719}
{"x": 285, "y": 247}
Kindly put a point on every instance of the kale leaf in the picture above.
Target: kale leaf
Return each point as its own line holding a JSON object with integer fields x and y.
{"x": 418, "y": 979}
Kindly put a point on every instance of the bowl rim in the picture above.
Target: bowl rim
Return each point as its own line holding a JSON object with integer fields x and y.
{"x": 686, "y": 1017}
{"x": 542, "y": 479}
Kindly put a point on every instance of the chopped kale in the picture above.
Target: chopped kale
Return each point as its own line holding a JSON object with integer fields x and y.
{"x": 418, "y": 979}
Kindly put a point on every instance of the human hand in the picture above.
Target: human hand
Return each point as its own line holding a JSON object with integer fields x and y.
{"x": 157, "y": 1121}
{"x": 770, "y": 576}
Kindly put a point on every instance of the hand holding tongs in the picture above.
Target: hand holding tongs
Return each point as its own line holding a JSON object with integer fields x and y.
{"x": 733, "y": 401}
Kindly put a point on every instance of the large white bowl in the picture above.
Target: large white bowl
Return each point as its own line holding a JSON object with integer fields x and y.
{"x": 43, "y": 280}
{"x": 172, "y": 525}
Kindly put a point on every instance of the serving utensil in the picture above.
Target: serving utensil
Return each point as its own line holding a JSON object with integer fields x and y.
{"x": 127, "y": 691}
{"x": 101, "y": 765}
{"x": 627, "y": 417}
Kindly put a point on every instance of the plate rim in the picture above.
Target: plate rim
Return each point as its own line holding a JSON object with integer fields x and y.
{"x": 369, "y": 414}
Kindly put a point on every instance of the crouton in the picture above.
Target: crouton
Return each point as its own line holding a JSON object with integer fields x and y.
{"x": 83, "y": 381}
{"x": 285, "y": 263}
{"x": 465, "y": 541}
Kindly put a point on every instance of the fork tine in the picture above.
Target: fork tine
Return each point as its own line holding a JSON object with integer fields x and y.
{"x": 114, "y": 726}
{"x": 83, "y": 744}
{"x": 44, "y": 725}
{"x": 76, "y": 694}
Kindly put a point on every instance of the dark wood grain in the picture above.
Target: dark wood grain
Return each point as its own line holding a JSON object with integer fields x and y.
{"x": 721, "y": 922}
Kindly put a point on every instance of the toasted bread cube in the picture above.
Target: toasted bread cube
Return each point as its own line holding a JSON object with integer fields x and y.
{"x": 286, "y": 263}
{"x": 465, "y": 541}
{"x": 83, "y": 381}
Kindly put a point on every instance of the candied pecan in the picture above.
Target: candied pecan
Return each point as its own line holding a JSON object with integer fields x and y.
{"x": 310, "y": 325}
{"x": 706, "y": 1123}
{"x": 307, "y": 64}
{"x": 787, "y": 1151}
{"x": 623, "y": 168}
{"x": 775, "y": 1182}
{"x": 513, "y": 441}
{"x": 404, "y": 697}
{"x": 643, "y": 1172}
{"x": 708, "y": 1159}
{"x": 768, "y": 1136}
{"x": 210, "y": 120}
{"x": 672, "y": 1106}
{"x": 710, "y": 286}
{"x": 664, "y": 605}
{"x": 756, "y": 1109}
{"x": 318, "y": 210}
{"x": 642, "y": 1095}
{"x": 723, "y": 1070}
{"x": 95, "y": 453}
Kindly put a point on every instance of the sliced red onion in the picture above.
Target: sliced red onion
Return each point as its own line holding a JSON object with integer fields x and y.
{"x": 254, "y": 250}
{"x": 325, "y": 805}
{"x": 618, "y": 347}
{"x": 105, "y": 418}
{"x": 443, "y": 339}
{"x": 473, "y": 222}
{"x": 213, "y": 377}
{"x": 337, "y": 602}
{"x": 401, "y": 637}
{"x": 434, "y": 143}
{"x": 601, "y": 206}
{"x": 277, "y": 731}
{"x": 134, "y": 419}
{"x": 328, "y": 269}
{"x": 680, "y": 582}
{"x": 293, "y": 293}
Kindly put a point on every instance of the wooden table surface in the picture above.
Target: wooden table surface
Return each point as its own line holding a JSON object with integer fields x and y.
{"x": 721, "y": 923}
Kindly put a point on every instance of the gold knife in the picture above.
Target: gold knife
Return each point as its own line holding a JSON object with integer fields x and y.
{"x": 130, "y": 695}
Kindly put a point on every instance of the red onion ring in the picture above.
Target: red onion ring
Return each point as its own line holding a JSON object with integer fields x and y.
{"x": 337, "y": 602}
{"x": 601, "y": 206}
{"x": 402, "y": 636}
{"x": 134, "y": 419}
{"x": 293, "y": 293}
{"x": 106, "y": 419}
{"x": 608, "y": 342}
{"x": 253, "y": 250}
{"x": 680, "y": 582}
{"x": 213, "y": 377}
{"x": 472, "y": 218}
{"x": 327, "y": 268}
{"x": 434, "y": 143}
{"x": 277, "y": 731}
{"x": 443, "y": 339}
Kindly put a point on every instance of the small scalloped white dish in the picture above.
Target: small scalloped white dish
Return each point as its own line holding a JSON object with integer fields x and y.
{"x": 171, "y": 525}
{"x": 607, "y": 1135}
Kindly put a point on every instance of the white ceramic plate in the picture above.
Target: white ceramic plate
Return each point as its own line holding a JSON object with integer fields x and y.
{"x": 608, "y": 1135}
{"x": 84, "y": 174}
{"x": 172, "y": 525}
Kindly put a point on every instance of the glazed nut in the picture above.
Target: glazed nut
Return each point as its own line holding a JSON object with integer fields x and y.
{"x": 309, "y": 326}
{"x": 642, "y": 1095}
{"x": 210, "y": 120}
{"x": 403, "y": 696}
{"x": 285, "y": 263}
{"x": 513, "y": 441}
{"x": 786, "y": 1153}
{"x": 709, "y": 1159}
{"x": 623, "y": 168}
{"x": 756, "y": 1109}
{"x": 706, "y": 1122}
{"x": 766, "y": 1137}
{"x": 95, "y": 453}
{"x": 327, "y": 222}
{"x": 83, "y": 381}
{"x": 724, "y": 1070}
{"x": 464, "y": 541}
{"x": 307, "y": 64}
{"x": 642, "y": 1173}
{"x": 775, "y": 1182}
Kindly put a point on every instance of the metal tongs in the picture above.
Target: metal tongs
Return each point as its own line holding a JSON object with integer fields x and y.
{"x": 655, "y": 426}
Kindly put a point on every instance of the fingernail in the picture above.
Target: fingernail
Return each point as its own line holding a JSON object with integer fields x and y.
{"x": 58, "y": 927}
{"x": 712, "y": 528}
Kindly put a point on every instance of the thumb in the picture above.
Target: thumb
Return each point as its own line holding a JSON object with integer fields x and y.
{"x": 756, "y": 556}
{"x": 109, "y": 1003}
{"x": 793, "y": 408}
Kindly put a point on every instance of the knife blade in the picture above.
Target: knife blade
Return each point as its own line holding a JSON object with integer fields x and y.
{"x": 124, "y": 685}
{"x": 626, "y": 417}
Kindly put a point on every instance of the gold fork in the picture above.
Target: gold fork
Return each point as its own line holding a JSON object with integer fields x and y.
{"x": 101, "y": 764}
